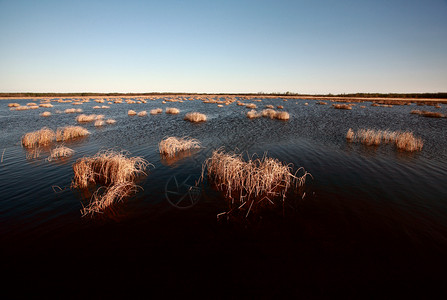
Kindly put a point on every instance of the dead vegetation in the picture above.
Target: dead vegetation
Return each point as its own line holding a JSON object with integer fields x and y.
{"x": 428, "y": 114}
{"x": 70, "y": 132}
{"x": 42, "y": 137}
{"x": 250, "y": 184}
{"x": 60, "y": 152}
{"x": 195, "y": 117}
{"x": 403, "y": 140}
{"x": 156, "y": 111}
{"x": 171, "y": 146}
{"x": 172, "y": 110}
{"x": 115, "y": 173}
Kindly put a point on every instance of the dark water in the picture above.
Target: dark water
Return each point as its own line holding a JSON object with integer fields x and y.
{"x": 372, "y": 223}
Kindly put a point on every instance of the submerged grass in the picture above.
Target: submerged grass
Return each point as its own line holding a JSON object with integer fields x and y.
{"x": 60, "y": 152}
{"x": 173, "y": 145}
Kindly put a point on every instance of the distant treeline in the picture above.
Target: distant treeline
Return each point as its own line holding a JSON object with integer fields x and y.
{"x": 357, "y": 95}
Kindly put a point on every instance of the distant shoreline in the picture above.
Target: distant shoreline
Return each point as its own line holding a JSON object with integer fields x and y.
{"x": 412, "y": 98}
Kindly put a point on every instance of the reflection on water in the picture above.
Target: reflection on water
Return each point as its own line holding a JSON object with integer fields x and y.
{"x": 374, "y": 207}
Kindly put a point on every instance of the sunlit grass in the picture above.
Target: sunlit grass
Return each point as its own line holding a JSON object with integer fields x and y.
{"x": 172, "y": 145}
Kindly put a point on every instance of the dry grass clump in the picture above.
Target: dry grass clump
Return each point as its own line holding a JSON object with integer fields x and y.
{"x": 172, "y": 110}
{"x": 73, "y": 110}
{"x": 156, "y": 111}
{"x": 402, "y": 140}
{"x": 131, "y": 112}
{"x": 250, "y": 183}
{"x": 42, "y": 137}
{"x": 46, "y": 105}
{"x": 45, "y": 114}
{"x": 280, "y": 107}
{"x": 321, "y": 103}
{"x": 13, "y": 105}
{"x": 251, "y": 105}
{"x": 268, "y": 113}
{"x": 342, "y": 106}
{"x": 114, "y": 171}
{"x": 428, "y": 114}
{"x": 60, "y": 152}
{"x": 282, "y": 115}
{"x": 70, "y": 132}
{"x": 142, "y": 113}
{"x": 86, "y": 118}
{"x": 31, "y": 104}
{"x": 99, "y": 123}
{"x": 195, "y": 117}
{"x": 110, "y": 121}
{"x": 172, "y": 145}
{"x": 253, "y": 114}
{"x": 269, "y": 106}
{"x": 20, "y": 107}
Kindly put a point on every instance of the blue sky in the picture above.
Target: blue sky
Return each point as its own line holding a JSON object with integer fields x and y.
{"x": 223, "y": 46}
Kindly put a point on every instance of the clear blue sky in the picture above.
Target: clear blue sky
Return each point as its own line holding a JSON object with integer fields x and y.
{"x": 223, "y": 46}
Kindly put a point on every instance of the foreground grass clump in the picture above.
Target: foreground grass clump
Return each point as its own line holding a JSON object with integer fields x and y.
{"x": 195, "y": 117}
{"x": 173, "y": 145}
{"x": 404, "y": 141}
{"x": 249, "y": 184}
{"x": 42, "y": 137}
{"x": 60, "y": 152}
{"x": 172, "y": 110}
{"x": 115, "y": 172}
{"x": 70, "y": 132}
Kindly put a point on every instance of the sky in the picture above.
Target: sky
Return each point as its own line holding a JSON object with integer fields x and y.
{"x": 313, "y": 47}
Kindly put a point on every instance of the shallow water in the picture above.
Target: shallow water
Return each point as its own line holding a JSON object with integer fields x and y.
{"x": 373, "y": 217}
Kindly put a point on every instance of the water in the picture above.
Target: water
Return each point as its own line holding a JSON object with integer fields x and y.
{"x": 372, "y": 219}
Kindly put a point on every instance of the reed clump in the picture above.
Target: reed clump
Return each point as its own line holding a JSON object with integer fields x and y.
{"x": 282, "y": 115}
{"x": 110, "y": 121}
{"x": 60, "y": 152}
{"x": 249, "y": 184}
{"x": 172, "y": 110}
{"x": 45, "y": 114}
{"x": 70, "y": 132}
{"x": 131, "y": 112}
{"x": 99, "y": 123}
{"x": 405, "y": 140}
{"x": 195, "y": 117}
{"x": 342, "y": 106}
{"x": 88, "y": 118}
{"x": 428, "y": 114}
{"x": 142, "y": 113}
{"x": 42, "y": 137}
{"x": 115, "y": 172}
{"x": 272, "y": 114}
{"x": 173, "y": 145}
{"x": 156, "y": 111}
{"x": 13, "y": 105}
{"x": 251, "y": 105}
{"x": 253, "y": 114}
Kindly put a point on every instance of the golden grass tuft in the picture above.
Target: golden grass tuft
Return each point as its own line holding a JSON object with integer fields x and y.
{"x": 70, "y": 132}
{"x": 110, "y": 121}
{"x": 322, "y": 103}
{"x": 13, "y": 105}
{"x": 253, "y": 114}
{"x": 46, "y": 105}
{"x": 131, "y": 112}
{"x": 195, "y": 117}
{"x": 73, "y": 110}
{"x": 142, "y": 113}
{"x": 172, "y": 145}
{"x": 268, "y": 113}
{"x": 86, "y": 118}
{"x": 342, "y": 106}
{"x": 251, "y": 105}
{"x": 31, "y": 104}
{"x": 99, "y": 123}
{"x": 269, "y": 106}
{"x": 20, "y": 107}
{"x": 42, "y": 137}
{"x": 428, "y": 114}
{"x": 280, "y": 107}
{"x": 172, "y": 110}
{"x": 250, "y": 183}
{"x": 282, "y": 115}
{"x": 405, "y": 141}
{"x": 60, "y": 152}
{"x": 45, "y": 114}
{"x": 156, "y": 111}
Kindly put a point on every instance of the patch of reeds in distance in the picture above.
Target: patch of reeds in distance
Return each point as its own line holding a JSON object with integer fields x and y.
{"x": 46, "y": 105}
{"x": 268, "y": 106}
{"x": 115, "y": 174}
{"x": 13, "y": 105}
{"x": 131, "y": 112}
{"x": 87, "y": 118}
{"x": 321, "y": 103}
{"x": 342, "y": 106}
{"x": 251, "y": 105}
{"x": 282, "y": 115}
{"x": 60, "y": 152}
{"x": 72, "y": 110}
{"x": 253, "y": 183}
{"x": 142, "y": 113}
{"x": 195, "y": 117}
{"x": 99, "y": 123}
{"x": 156, "y": 111}
{"x": 42, "y": 137}
{"x": 172, "y": 110}
{"x": 171, "y": 146}
{"x": 279, "y": 107}
{"x": 428, "y": 114}
{"x": 110, "y": 121}
{"x": 70, "y": 132}
{"x": 404, "y": 141}
{"x": 45, "y": 114}
{"x": 253, "y": 114}
{"x": 20, "y": 107}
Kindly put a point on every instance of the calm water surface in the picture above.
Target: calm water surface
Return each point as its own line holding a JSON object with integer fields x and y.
{"x": 373, "y": 219}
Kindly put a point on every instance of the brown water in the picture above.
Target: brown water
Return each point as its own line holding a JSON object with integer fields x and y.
{"x": 372, "y": 222}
